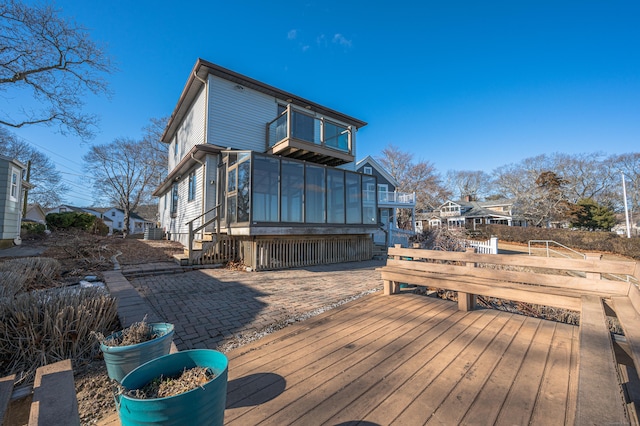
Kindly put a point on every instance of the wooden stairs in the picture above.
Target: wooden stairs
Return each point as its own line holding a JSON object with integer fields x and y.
{"x": 200, "y": 246}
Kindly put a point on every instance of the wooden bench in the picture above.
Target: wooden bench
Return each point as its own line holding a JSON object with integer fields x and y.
{"x": 574, "y": 284}
{"x": 54, "y": 396}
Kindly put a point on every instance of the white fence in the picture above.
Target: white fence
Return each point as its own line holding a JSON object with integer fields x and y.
{"x": 484, "y": 247}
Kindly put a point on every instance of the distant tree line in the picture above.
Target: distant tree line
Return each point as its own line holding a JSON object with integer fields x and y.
{"x": 582, "y": 189}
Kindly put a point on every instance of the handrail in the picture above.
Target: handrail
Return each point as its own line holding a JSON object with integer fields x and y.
{"x": 193, "y": 231}
{"x": 558, "y": 244}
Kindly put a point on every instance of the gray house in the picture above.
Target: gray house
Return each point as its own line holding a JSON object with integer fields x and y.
{"x": 390, "y": 200}
{"x": 263, "y": 176}
{"x": 12, "y": 189}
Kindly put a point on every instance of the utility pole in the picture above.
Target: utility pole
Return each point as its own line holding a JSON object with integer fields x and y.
{"x": 626, "y": 209}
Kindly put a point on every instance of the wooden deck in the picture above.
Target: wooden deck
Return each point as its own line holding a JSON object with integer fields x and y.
{"x": 407, "y": 359}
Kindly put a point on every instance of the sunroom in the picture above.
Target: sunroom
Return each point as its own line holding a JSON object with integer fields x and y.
{"x": 262, "y": 194}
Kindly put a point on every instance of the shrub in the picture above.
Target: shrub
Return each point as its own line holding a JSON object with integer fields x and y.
{"x": 33, "y": 228}
{"x": 42, "y": 327}
{"x": 602, "y": 242}
{"x": 66, "y": 220}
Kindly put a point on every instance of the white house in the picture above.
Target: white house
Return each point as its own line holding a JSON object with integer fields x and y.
{"x": 114, "y": 219}
{"x": 276, "y": 169}
{"x": 469, "y": 214}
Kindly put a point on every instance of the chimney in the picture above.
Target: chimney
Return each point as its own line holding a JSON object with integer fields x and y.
{"x": 469, "y": 198}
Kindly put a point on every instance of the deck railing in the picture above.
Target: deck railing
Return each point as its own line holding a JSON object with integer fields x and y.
{"x": 294, "y": 124}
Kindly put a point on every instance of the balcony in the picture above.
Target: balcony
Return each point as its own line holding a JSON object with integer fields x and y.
{"x": 397, "y": 199}
{"x": 300, "y": 135}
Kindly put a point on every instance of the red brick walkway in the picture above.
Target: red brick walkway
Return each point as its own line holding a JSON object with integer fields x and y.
{"x": 211, "y": 307}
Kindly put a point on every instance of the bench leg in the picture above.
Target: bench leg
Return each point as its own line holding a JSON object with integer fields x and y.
{"x": 466, "y": 301}
{"x": 390, "y": 287}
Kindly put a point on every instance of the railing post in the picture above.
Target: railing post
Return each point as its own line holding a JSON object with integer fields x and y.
{"x": 593, "y": 275}
{"x": 467, "y": 301}
{"x": 190, "y": 248}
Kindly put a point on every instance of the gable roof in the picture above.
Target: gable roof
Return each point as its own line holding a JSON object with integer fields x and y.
{"x": 201, "y": 71}
{"x": 369, "y": 159}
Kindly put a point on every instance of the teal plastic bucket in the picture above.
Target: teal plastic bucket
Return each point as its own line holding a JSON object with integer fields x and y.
{"x": 200, "y": 406}
{"x": 121, "y": 360}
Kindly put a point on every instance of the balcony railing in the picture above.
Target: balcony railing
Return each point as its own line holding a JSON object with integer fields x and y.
{"x": 295, "y": 133}
{"x": 396, "y": 198}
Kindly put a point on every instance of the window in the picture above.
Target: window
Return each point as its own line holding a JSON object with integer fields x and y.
{"x": 265, "y": 188}
{"x": 113, "y": 214}
{"x": 354, "y": 198}
{"x": 292, "y": 188}
{"x": 383, "y": 192}
{"x": 192, "y": 186}
{"x": 174, "y": 200}
{"x": 368, "y": 170}
{"x": 175, "y": 148}
{"x": 314, "y": 200}
{"x": 335, "y": 196}
{"x": 14, "y": 185}
{"x": 244, "y": 171}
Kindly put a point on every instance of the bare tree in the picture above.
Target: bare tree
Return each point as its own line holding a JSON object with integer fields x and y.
{"x": 123, "y": 174}
{"x": 546, "y": 202}
{"x": 421, "y": 178}
{"x": 473, "y": 183}
{"x": 49, "y": 188}
{"x": 629, "y": 164}
{"x": 587, "y": 175}
{"x": 53, "y": 62}
{"x": 156, "y": 149}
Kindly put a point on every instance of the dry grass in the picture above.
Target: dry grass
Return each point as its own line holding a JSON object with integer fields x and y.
{"x": 138, "y": 332}
{"x": 161, "y": 387}
{"x": 46, "y": 326}
{"x": 28, "y": 273}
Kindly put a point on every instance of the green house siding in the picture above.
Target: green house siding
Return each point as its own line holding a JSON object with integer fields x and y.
{"x": 9, "y": 205}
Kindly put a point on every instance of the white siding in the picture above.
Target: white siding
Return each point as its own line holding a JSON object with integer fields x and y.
{"x": 190, "y": 132}
{"x": 238, "y": 117}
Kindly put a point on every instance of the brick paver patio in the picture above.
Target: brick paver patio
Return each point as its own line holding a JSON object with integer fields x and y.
{"x": 210, "y": 307}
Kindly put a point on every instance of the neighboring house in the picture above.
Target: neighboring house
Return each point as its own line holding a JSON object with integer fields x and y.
{"x": 278, "y": 168}
{"x": 65, "y": 208}
{"x": 35, "y": 213}
{"x": 469, "y": 214}
{"x": 389, "y": 199}
{"x": 12, "y": 188}
{"x": 137, "y": 224}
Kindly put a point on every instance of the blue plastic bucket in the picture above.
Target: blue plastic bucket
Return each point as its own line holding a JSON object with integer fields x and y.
{"x": 200, "y": 406}
{"x": 121, "y": 360}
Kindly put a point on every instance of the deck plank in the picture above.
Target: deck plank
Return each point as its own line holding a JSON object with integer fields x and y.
{"x": 391, "y": 408}
{"x": 306, "y": 367}
{"x": 554, "y": 389}
{"x": 518, "y": 407}
{"x": 456, "y": 405}
{"x": 488, "y": 403}
{"x": 399, "y": 363}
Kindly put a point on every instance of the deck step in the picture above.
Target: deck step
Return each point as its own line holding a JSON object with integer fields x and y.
{"x": 181, "y": 259}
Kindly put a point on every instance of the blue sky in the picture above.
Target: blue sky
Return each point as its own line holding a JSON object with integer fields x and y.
{"x": 465, "y": 85}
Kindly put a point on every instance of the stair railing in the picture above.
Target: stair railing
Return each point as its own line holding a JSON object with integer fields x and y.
{"x": 193, "y": 231}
